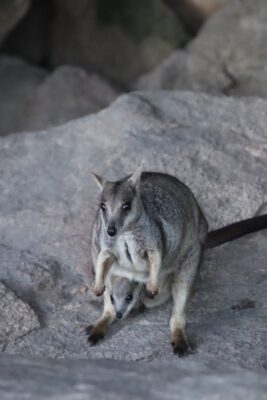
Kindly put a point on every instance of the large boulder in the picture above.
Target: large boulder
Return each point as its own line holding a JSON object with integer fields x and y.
{"x": 39, "y": 379}
{"x": 17, "y": 317}
{"x": 120, "y": 40}
{"x": 216, "y": 145}
{"x": 228, "y": 56}
{"x": 30, "y": 39}
{"x": 193, "y": 13}
{"x": 31, "y": 99}
{"x": 11, "y": 11}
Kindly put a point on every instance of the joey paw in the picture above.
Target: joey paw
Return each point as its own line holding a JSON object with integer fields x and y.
{"x": 98, "y": 290}
{"x": 151, "y": 292}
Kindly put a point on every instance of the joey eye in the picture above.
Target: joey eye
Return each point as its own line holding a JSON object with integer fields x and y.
{"x": 126, "y": 206}
{"x": 129, "y": 298}
{"x": 112, "y": 299}
{"x": 103, "y": 206}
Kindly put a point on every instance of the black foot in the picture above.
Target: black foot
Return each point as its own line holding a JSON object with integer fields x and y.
{"x": 181, "y": 349}
{"x": 180, "y": 345}
{"x": 94, "y": 334}
{"x": 88, "y": 329}
{"x": 94, "y": 338}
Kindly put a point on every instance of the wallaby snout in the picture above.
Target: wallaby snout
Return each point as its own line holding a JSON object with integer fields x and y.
{"x": 118, "y": 314}
{"x": 112, "y": 230}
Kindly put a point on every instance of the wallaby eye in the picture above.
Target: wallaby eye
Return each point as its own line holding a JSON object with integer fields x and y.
{"x": 126, "y": 206}
{"x": 112, "y": 299}
{"x": 103, "y": 206}
{"x": 129, "y": 298}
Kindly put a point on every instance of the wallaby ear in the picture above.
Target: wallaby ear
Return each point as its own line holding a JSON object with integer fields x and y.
{"x": 99, "y": 180}
{"x": 134, "y": 179}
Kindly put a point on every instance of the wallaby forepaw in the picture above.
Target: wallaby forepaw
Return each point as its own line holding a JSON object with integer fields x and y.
{"x": 94, "y": 334}
{"x": 98, "y": 290}
{"x": 151, "y": 291}
{"x": 94, "y": 338}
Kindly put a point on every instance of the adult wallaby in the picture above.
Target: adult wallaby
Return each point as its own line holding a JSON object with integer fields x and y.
{"x": 149, "y": 227}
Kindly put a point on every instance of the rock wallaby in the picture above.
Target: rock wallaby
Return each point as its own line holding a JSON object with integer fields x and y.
{"x": 147, "y": 242}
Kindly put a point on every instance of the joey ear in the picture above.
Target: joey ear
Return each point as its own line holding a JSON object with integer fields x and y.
{"x": 99, "y": 180}
{"x": 134, "y": 179}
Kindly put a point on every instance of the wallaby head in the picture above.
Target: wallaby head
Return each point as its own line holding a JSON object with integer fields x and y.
{"x": 124, "y": 295}
{"x": 120, "y": 203}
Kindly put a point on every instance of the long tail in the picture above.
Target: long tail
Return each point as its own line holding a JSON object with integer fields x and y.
{"x": 235, "y": 230}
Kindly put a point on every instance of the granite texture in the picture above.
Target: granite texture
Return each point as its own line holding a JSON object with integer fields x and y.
{"x": 216, "y": 145}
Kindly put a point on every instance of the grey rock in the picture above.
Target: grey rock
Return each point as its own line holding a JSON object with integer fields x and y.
{"x": 228, "y": 55}
{"x": 209, "y": 5}
{"x": 39, "y": 379}
{"x": 30, "y": 38}
{"x": 216, "y": 145}
{"x": 17, "y": 317}
{"x": 11, "y": 12}
{"x": 120, "y": 40}
{"x": 31, "y": 99}
{"x": 193, "y": 13}
{"x": 185, "y": 70}
{"x": 37, "y": 280}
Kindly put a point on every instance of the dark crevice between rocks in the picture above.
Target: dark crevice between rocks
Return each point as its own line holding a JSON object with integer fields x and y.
{"x": 18, "y": 338}
{"x": 154, "y": 111}
{"x": 233, "y": 84}
{"x": 51, "y": 286}
{"x": 262, "y": 209}
{"x": 243, "y": 304}
{"x": 189, "y": 14}
{"x": 158, "y": 114}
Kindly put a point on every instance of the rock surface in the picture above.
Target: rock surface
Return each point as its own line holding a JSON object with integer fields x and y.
{"x": 11, "y": 12}
{"x": 215, "y": 145}
{"x": 31, "y": 99}
{"x": 228, "y": 56}
{"x": 30, "y": 39}
{"x": 119, "y": 40}
{"x": 38, "y": 379}
{"x": 17, "y": 318}
{"x": 193, "y": 13}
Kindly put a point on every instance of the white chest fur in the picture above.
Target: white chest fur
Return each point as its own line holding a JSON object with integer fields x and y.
{"x": 131, "y": 261}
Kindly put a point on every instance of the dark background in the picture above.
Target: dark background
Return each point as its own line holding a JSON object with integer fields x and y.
{"x": 62, "y": 59}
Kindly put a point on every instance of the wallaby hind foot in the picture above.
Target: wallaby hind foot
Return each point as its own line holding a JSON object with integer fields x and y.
{"x": 180, "y": 343}
{"x": 181, "y": 289}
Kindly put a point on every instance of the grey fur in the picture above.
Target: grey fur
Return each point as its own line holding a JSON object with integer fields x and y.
{"x": 164, "y": 215}
{"x": 165, "y": 224}
{"x": 120, "y": 289}
{"x": 157, "y": 246}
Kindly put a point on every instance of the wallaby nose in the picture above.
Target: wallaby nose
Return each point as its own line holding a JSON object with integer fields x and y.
{"x": 119, "y": 314}
{"x": 112, "y": 231}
